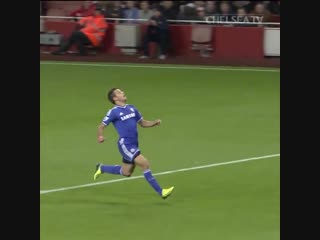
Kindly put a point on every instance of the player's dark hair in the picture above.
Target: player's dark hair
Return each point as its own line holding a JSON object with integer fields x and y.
{"x": 111, "y": 95}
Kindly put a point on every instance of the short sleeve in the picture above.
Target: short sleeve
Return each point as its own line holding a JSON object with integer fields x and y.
{"x": 138, "y": 115}
{"x": 108, "y": 118}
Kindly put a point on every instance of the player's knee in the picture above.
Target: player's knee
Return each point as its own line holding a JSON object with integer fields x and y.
{"x": 126, "y": 174}
{"x": 145, "y": 166}
{"x": 142, "y": 162}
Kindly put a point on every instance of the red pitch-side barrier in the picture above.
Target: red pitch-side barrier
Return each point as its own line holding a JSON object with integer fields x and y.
{"x": 227, "y": 42}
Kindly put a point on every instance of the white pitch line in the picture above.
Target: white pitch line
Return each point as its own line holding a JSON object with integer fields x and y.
{"x": 159, "y": 66}
{"x": 157, "y": 174}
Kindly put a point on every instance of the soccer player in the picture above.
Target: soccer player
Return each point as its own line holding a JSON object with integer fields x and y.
{"x": 125, "y": 118}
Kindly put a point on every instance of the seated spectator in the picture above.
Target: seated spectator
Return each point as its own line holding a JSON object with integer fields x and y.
{"x": 145, "y": 12}
{"x": 240, "y": 4}
{"x": 187, "y": 12}
{"x": 260, "y": 13}
{"x": 157, "y": 31}
{"x": 131, "y": 12}
{"x": 201, "y": 14}
{"x": 87, "y": 9}
{"x": 250, "y": 6}
{"x": 198, "y": 4}
{"x": 168, "y": 10}
{"x": 225, "y": 9}
{"x": 225, "y": 12}
{"x": 210, "y": 8}
{"x": 114, "y": 10}
{"x": 92, "y": 31}
{"x": 242, "y": 16}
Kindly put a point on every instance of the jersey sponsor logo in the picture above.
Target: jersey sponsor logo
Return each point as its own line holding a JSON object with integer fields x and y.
{"x": 125, "y": 117}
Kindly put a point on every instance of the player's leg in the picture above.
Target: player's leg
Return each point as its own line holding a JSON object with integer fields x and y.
{"x": 111, "y": 169}
{"x": 143, "y": 163}
{"x": 125, "y": 170}
{"x": 81, "y": 41}
{"x": 66, "y": 44}
{"x": 127, "y": 167}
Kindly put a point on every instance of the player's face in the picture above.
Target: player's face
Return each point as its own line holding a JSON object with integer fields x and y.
{"x": 120, "y": 95}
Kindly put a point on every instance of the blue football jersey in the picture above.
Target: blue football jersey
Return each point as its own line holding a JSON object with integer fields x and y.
{"x": 125, "y": 121}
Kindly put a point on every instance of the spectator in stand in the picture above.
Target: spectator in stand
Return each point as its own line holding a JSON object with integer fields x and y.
{"x": 210, "y": 8}
{"x": 225, "y": 12}
{"x": 169, "y": 11}
{"x": 242, "y": 16}
{"x": 87, "y": 9}
{"x": 145, "y": 12}
{"x": 198, "y": 4}
{"x": 92, "y": 31}
{"x": 201, "y": 14}
{"x": 114, "y": 10}
{"x": 131, "y": 12}
{"x": 250, "y": 6}
{"x": 158, "y": 32}
{"x": 225, "y": 9}
{"x": 187, "y": 12}
{"x": 260, "y": 13}
{"x": 240, "y": 4}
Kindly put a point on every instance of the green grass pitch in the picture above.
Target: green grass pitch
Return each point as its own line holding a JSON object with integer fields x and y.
{"x": 208, "y": 116}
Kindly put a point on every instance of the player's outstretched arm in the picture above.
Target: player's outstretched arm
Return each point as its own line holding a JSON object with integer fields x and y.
{"x": 100, "y": 133}
{"x": 145, "y": 124}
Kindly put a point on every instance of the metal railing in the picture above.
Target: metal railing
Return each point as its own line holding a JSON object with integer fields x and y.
{"x": 208, "y": 21}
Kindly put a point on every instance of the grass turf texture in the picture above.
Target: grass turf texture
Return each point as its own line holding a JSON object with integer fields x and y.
{"x": 207, "y": 117}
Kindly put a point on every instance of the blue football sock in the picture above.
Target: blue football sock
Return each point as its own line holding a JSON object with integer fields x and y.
{"x": 152, "y": 181}
{"x": 116, "y": 169}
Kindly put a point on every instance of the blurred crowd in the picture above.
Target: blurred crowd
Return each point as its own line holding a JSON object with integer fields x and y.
{"x": 171, "y": 10}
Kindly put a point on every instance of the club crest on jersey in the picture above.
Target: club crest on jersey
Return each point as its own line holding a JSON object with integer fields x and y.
{"x": 130, "y": 115}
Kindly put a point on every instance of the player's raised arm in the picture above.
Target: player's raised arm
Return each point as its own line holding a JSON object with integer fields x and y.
{"x": 144, "y": 123}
